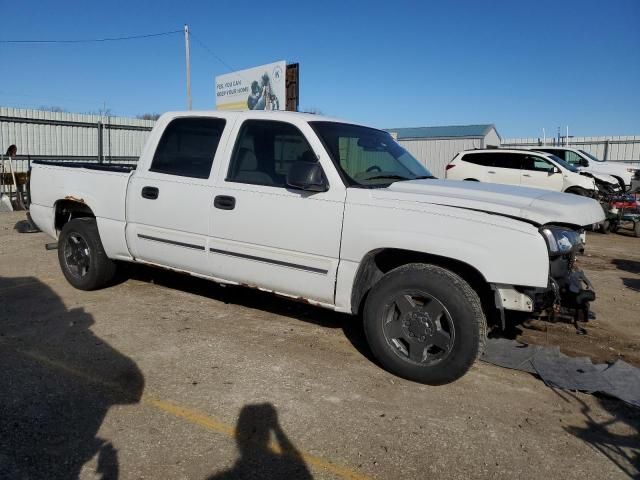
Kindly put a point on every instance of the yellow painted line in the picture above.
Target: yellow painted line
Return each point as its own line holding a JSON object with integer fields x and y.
{"x": 192, "y": 416}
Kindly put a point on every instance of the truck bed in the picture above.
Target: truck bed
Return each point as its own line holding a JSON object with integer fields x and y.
{"x": 102, "y": 188}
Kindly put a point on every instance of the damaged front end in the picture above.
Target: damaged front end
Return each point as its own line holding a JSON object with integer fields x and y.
{"x": 569, "y": 290}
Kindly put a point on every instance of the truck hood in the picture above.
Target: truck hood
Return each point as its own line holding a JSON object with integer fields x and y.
{"x": 529, "y": 204}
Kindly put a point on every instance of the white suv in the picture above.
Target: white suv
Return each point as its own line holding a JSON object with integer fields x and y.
{"x": 520, "y": 167}
{"x": 583, "y": 161}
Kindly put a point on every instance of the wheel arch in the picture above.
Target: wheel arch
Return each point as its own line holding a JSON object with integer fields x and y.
{"x": 68, "y": 208}
{"x": 376, "y": 263}
{"x": 621, "y": 181}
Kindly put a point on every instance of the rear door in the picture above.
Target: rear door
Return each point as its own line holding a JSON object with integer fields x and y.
{"x": 539, "y": 172}
{"x": 473, "y": 166}
{"x": 168, "y": 205}
{"x": 265, "y": 234}
{"x": 506, "y": 168}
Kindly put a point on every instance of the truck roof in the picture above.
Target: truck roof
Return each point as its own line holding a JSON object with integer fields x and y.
{"x": 254, "y": 114}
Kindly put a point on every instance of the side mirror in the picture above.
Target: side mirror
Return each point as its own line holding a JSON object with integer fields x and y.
{"x": 583, "y": 162}
{"x": 553, "y": 170}
{"x": 307, "y": 176}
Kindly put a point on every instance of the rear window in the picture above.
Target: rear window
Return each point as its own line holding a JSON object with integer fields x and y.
{"x": 187, "y": 147}
{"x": 484, "y": 159}
{"x": 495, "y": 159}
{"x": 509, "y": 160}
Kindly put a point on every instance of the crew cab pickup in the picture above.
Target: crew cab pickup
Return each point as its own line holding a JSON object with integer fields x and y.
{"x": 328, "y": 212}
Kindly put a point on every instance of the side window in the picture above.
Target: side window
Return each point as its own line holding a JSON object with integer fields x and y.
{"x": 187, "y": 147}
{"x": 572, "y": 157}
{"x": 483, "y": 159}
{"x": 265, "y": 151}
{"x": 538, "y": 164}
{"x": 508, "y": 160}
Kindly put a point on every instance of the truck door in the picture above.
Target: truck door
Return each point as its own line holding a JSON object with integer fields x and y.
{"x": 538, "y": 172}
{"x": 168, "y": 203}
{"x": 265, "y": 234}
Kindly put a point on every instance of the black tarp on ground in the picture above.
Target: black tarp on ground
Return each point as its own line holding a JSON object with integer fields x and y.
{"x": 619, "y": 380}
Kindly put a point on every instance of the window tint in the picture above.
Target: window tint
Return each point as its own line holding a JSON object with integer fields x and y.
{"x": 484, "y": 159}
{"x": 187, "y": 147}
{"x": 508, "y": 160}
{"x": 538, "y": 164}
{"x": 265, "y": 151}
{"x": 572, "y": 157}
{"x": 557, "y": 152}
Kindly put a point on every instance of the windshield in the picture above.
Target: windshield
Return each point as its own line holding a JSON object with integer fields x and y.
{"x": 564, "y": 164}
{"x": 596, "y": 159}
{"x": 367, "y": 157}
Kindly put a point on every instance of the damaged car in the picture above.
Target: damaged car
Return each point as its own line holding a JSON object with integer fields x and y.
{"x": 327, "y": 212}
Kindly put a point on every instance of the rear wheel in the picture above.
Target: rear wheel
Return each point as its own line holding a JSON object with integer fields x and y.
{"x": 82, "y": 258}
{"x": 425, "y": 323}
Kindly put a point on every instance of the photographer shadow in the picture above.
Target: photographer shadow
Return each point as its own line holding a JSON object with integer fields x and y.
{"x": 260, "y": 456}
{"x": 57, "y": 382}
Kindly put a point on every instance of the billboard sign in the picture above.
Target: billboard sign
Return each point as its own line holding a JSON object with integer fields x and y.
{"x": 257, "y": 88}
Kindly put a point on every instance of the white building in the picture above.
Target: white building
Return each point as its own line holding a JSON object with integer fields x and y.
{"x": 435, "y": 147}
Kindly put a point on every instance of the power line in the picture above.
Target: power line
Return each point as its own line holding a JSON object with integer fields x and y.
{"x": 95, "y": 40}
{"x": 195, "y": 37}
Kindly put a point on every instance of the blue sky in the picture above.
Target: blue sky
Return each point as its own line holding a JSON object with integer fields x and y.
{"x": 520, "y": 65}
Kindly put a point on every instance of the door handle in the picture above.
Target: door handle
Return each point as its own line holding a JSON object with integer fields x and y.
{"x": 490, "y": 171}
{"x": 224, "y": 202}
{"x": 526, "y": 175}
{"x": 150, "y": 193}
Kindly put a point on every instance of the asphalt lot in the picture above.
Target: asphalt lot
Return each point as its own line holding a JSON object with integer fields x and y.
{"x": 166, "y": 376}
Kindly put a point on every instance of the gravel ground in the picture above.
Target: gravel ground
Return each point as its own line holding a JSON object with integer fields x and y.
{"x": 167, "y": 376}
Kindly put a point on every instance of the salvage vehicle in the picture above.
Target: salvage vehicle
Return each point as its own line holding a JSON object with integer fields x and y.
{"x": 526, "y": 168}
{"x": 584, "y": 161}
{"x": 331, "y": 213}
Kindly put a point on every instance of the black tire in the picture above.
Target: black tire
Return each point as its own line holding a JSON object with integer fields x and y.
{"x": 623, "y": 186}
{"x": 577, "y": 191}
{"x": 82, "y": 258}
{"x": 636, "y": 228}
{"x": 437, "y": 303}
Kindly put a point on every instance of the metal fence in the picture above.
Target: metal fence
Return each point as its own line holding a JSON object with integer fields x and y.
{"x": 62, "y": 136}
{"x": 612, "y": 148}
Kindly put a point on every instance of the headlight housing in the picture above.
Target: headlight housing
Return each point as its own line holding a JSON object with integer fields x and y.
{"x": 561, "y": 240}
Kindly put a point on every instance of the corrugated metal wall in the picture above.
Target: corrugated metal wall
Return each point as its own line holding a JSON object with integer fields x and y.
{"x": 62, "y": 135}
{"x": 613, "y": 148}
{"x": 435, "y": 154}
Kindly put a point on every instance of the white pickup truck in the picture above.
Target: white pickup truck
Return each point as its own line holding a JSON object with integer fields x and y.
{"x": 332, "y": 213}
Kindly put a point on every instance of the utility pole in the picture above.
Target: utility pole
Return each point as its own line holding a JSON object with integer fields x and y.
{"x": 188, "y": 61}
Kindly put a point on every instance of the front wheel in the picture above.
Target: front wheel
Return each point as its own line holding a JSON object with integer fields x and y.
{"x": 82, "y": 258}
{"x": 425, "y": 323}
